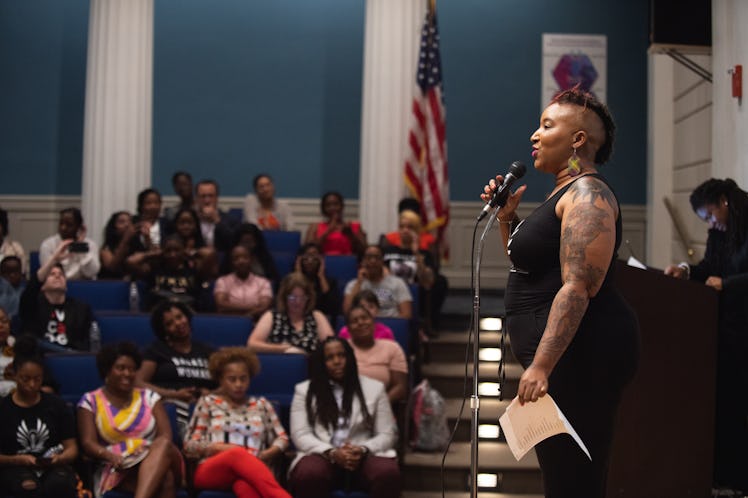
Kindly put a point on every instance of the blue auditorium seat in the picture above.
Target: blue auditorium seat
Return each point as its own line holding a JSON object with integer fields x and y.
{"x": 101, "y": 295}
{"x": 34, "y": 263}
{"x": 122, "y": 326}
{"x": 284, "y": 262}
{"x": 401, "y": 328}
{"x": 279, "y": 374}
{"x": 341, "y": 268}
{"x": 76, "y": 373}
{"x": 221, "y": 330}
{"x": 215, "y": 494}
{"x": 282, "y": 241}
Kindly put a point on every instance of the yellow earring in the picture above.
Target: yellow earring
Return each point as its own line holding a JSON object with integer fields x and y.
{"x": 573, "y": 164}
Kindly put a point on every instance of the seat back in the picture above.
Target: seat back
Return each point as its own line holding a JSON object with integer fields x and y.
{"x": 120, "y": 326}
{"x": 279, "y": 374}
{"x": 401, "y": 329}
{"x": 282, "y": 241}
{"x": 342, "y": 268}
{"x": 101, "y": 295}
{"x": 284, "y": 262}
{"x": 76, "y": 373}
{"x": 221, "y": 330}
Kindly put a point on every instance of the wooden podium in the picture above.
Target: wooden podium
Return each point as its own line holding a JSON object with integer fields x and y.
{"x": 664, "y": 439}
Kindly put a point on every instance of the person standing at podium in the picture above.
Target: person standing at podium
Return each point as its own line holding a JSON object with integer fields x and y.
{"x": 571, "y": 330}
{"x": 724, "y": 206}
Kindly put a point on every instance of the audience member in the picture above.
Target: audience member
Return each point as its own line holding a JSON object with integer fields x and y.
{"x": 49, "y": 314}
{"x": 204, "y": 258}
{"x": 125, "y": 430}
{"x": 10, "y": 247}
{"x": 82, "y": 260}
{"x": 723, "y": 205}
{"x": 343, "y": 429}
{"x": 379, "y": 359}
{"x": 7, "y": 382}
{"x": 173, "y": 276}
{"x": 175, "y": 366}
{"x": 334, "y": 235}
{"x": 295, "y": 326}
{"x": 236, "y": 437}
{"x": 120, "y": 242}
{"x": 181, "y": 181}
{"x": 311, "y": 263}
{"x": 369, "y": 301}
{"x": 12, "y": 284}
{"x": 412, "y": 255}
{"x": 263, "y": 209}
{"x": 187, "y": 226}
{"x": 216, "y": 226}
{"x": 250, "y": 236}
{"x": 394, "y": 295}
{"x": 37, "y": 437}
{"x": 242, "y": 292}
{"x": 152, "y": 227}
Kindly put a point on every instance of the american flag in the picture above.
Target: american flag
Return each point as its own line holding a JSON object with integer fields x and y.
{"x": 426, "y": 174}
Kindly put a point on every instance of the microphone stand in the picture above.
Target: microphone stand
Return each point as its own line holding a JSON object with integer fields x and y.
{"x": 474, "y": 333}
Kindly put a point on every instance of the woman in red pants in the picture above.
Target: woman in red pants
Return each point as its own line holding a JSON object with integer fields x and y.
{"x": 235, "y": 436}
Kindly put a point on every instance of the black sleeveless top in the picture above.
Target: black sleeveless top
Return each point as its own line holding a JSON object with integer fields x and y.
{"x": 534, "y": 250}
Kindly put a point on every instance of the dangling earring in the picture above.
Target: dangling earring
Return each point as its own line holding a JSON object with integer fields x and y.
{"x": 573, "y": 164}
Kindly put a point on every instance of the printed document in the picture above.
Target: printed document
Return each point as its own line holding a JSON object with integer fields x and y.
{"x": 526, "y": 425}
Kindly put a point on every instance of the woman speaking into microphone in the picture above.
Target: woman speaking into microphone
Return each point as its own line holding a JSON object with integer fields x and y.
{"x": 571, "y": 330}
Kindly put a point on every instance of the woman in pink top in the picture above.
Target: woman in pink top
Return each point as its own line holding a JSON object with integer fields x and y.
{"x": 377, "y": 358}
{"x": 242, "y": 292}
{"x": 335, "y": 236}
{"x": 369, "y": 300}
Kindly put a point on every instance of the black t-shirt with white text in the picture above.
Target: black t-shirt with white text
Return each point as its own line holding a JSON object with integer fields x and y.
{"x": 175, "y": 370}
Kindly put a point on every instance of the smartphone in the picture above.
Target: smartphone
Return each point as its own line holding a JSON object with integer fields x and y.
{"x": 78, "y": 247}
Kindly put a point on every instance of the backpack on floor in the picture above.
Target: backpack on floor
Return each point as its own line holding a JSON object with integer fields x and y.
{"x": 430, "y": 431}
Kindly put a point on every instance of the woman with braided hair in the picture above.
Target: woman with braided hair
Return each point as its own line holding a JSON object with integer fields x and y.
{"x": 343, "y": 428}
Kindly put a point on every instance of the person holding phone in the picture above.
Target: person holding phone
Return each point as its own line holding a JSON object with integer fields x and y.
{"x": 82, "y": 258}
{"x": 49, "y": 314}
{"x": 37, "y": 437}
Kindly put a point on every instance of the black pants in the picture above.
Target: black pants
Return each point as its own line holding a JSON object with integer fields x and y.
{"x": 587, "y": 384}
{"x": 23, "y": 482}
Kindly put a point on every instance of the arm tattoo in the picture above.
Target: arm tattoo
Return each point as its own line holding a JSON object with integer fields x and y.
{"x": 593, "y": 189}
{"x": 585, "y": 223}
{"x": 571, "y": 308}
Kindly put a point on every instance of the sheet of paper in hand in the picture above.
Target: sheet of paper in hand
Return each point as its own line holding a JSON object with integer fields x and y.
{"x": 526, "y": 425}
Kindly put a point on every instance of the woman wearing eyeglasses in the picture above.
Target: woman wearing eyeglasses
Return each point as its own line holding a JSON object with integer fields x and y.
{"x": 295, "y": 326}
{"x": 724, "y": 267}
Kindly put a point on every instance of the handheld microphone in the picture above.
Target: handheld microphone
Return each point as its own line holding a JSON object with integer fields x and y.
{"x": 516, "y": 171}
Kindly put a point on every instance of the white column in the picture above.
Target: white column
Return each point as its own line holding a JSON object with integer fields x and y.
{"x": 390, "y": 55}
{"x": 659, "y": 160}
{"x": 117, "y": 128}
{"x": 729, "y": 48}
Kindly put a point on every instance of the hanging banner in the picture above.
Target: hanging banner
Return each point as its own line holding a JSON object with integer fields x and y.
{"x": 569, "y": 60}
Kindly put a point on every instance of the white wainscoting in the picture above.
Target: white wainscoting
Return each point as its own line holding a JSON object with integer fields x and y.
{"x": 33, "y": 218}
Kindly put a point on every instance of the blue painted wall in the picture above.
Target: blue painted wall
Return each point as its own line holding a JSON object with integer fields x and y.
{"x": 42, "y": 81}
{"x": 242, "y": 86}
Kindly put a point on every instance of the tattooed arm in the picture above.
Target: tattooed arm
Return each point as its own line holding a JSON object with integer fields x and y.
{"x": 588, "y": 212}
